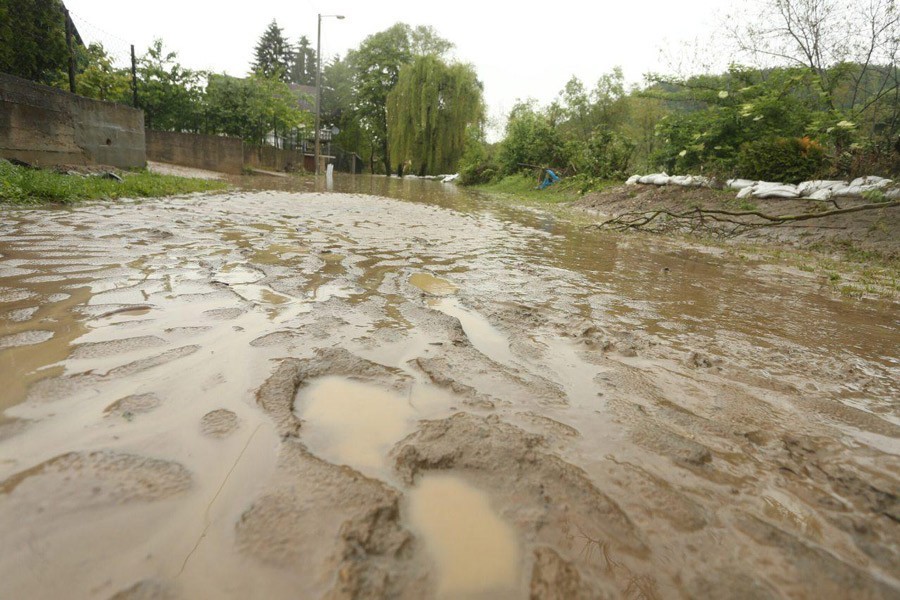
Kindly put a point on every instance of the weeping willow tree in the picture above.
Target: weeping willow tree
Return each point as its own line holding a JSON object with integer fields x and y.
{"x": 429, "y": 111}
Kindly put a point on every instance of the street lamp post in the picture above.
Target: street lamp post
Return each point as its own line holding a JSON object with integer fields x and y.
{"x": 319, "y": 82}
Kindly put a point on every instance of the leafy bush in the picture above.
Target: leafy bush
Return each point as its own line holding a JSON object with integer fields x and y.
{"x": 478, "y": 164}
{"x": 606, "y": 155}
{"x": 531, "y": 138}
{"x": 790, "y": 160}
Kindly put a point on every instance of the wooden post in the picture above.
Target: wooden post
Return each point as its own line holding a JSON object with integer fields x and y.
{"x": 71, "y": 51}
{"x": 134, "y": 98}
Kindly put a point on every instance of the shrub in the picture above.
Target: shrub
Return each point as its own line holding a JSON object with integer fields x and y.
{"x": 790, "y": 160}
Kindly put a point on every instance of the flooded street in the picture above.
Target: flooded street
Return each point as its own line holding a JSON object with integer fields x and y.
{"x": 404, "y": 389}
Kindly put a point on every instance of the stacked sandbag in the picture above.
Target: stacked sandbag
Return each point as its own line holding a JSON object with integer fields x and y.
{"x": 739, "y": 184}
{"x": 820, "y": 189}
{"x": 746, "y": 188}
{"x": 655, "y": 179}
{"x": 861, "y": 185}
{"x": 766, "y": 189}
{"x": 665, "y": 179}
{"x": 769, "y": 189}
{"x": 689, "y": 180}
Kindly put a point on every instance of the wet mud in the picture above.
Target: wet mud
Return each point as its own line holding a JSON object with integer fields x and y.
{"x": 402, "y": 389}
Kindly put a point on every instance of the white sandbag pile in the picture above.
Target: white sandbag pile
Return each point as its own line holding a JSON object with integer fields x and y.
{"x": 770, "y": 189}
{"x": 820, "y": 189}
{"x": 746, "y": 188}
{"x": 739, "y": 184}
{"x": 655, "y": 179}
{"x": 665, "y": 179}
{"x": 689, "y": 180}
{"x": 824, "y": 189}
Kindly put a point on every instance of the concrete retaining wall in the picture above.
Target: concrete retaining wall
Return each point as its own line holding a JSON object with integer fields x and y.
{"x": 210, "y": 152}
{"x": 46, "y": 126}
{"x": 270, "y": 158}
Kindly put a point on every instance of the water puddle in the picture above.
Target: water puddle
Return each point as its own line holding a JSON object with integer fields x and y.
{"x": 476, "y": 552}
{"x": 432, "y": 285}
{"x": 479, "y": 330}
{"x": 353, "y": 423}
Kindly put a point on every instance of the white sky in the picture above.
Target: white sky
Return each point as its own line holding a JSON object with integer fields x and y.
{"x": 519, "y": 49}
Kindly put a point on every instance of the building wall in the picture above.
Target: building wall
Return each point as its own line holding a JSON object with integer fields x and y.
{"x": 210, "y": 152}
{"x": 45, "y": 126}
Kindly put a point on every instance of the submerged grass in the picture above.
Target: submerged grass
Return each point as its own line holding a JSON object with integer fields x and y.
{"x": 523, "y": 186}
{"x": 26, "y": 186}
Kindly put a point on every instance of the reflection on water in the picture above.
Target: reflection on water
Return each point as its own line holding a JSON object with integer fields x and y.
{"x": 476, "y": 552}
{"x": 352, "y": 423}
{"x": 431, "y": 284}
{"x": 479, "y": 330}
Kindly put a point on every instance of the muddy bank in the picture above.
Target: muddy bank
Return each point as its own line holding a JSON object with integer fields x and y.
{"x": 875, "y": 232}
{"x": 281, "y": 394}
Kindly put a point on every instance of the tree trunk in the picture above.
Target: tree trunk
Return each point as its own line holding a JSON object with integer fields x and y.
{"x": 387, "y": 157}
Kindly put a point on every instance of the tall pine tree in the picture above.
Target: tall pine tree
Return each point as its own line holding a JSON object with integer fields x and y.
{"x": 273, "y": 55}
{"x": 303, "y": 67}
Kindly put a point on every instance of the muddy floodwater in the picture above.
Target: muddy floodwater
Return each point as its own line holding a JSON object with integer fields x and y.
{"x": 404, "y": 389}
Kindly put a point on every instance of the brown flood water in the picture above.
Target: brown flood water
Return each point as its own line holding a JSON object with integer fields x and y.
{"x": 405, "y": 389}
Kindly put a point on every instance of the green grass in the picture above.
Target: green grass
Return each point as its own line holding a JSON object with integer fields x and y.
{"x": 21, "y": 185}
{"x": 523, "y": 186}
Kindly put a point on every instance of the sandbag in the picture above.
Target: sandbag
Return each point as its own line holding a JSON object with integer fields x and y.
{"x": 776, "y": 191}
{"x": 653, "y": 178}
{"x": 807, "y": 188}
{"x": 823, "y": 194}
{"x": 682, "y": 180}
{"x": 871, "y": 180}
{"x": 746, "y": 192}
{"x": 892, "y": 194}
{"x": 849, "y": 191}
{"x": 738, "y": 184}
{"x": 689, "y": 180}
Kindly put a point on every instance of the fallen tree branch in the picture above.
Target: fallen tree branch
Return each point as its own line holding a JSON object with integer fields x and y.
{"x": 742, "y": 220}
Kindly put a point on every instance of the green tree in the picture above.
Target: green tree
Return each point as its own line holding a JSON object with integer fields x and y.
{"x": 850, "y": 50}
{"x": 250, "y": 108}
{"x": 531, "y": 139}
{"x": 339, "y": 108}
{"x": 33, "y": 39}
{"x": 429, "y": 111}
{"x": 377, "y": 64}
{"x": 169, "y": 94}
{"x": 273, "y": 56}
{"x": 99, "y": 79}
{"x": 724, "y": 112}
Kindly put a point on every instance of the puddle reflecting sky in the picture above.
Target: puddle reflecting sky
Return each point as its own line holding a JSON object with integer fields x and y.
{"x": 476, "y": 552}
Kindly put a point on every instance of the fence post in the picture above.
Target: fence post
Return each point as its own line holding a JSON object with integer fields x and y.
{"x": 71, "y": 51}
{"x": 134, "y": 99}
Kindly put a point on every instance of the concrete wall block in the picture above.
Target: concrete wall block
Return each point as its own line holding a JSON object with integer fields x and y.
{"x": 210, "y": 152}
{"x": 46, "y": 126}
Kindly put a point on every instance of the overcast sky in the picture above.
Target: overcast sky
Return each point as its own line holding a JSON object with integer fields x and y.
{"x": 519, "y": 49}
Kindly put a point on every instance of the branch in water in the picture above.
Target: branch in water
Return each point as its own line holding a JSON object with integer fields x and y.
{"x": 743, "y": 220}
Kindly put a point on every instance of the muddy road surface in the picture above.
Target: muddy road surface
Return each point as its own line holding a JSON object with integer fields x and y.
{"x": 404, "y": 390}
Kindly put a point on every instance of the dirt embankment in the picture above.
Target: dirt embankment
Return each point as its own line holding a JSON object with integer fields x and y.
{"x": 875, "y": 232}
